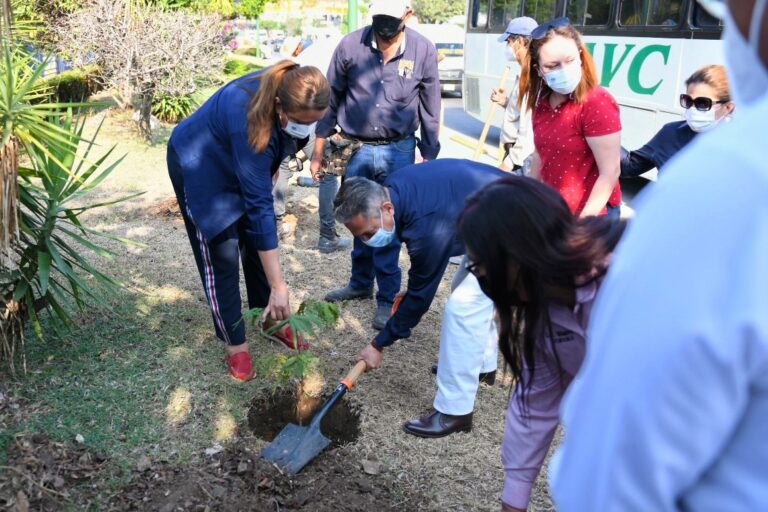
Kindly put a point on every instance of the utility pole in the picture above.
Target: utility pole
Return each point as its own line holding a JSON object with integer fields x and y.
{"x": 352, "y": 15}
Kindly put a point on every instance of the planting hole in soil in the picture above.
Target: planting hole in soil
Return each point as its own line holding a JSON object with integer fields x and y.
{"x": 270, "y": 413}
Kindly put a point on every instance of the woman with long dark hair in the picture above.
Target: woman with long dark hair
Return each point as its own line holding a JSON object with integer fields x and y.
{"x": 222, "y": 161}
{"x": 542, "y": 267}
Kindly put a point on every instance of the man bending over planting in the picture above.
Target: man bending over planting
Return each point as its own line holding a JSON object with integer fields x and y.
{"x": 419, "y": 205}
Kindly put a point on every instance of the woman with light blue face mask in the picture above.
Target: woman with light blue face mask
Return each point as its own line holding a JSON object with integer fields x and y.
{"x": 222, "y": 161}
{"x": 706, "y": 104}
{"x": 576, "y": 124}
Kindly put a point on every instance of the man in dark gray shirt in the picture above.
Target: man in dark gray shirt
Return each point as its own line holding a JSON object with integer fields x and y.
{"x": 385, "y": 86}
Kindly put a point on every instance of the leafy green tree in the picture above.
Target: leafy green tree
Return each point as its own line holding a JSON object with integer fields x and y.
{"x": 438, "y": 11}
{"x": 250, "y": 8}
{"x": 224, "y": 8}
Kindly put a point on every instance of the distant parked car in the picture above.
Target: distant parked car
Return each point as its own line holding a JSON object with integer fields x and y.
{"x": 449, "y": 41}
{"x": 450, "y": 66}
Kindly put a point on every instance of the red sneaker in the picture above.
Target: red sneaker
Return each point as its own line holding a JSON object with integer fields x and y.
{"x": 240, "y": 366}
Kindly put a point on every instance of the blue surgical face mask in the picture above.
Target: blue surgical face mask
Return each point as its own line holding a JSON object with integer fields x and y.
{"x": 509, "y": 53}
{"x": 565, "y": 79}
{"x": 382, "y": 237}
{"x": 298, "y": 130}
{"x": 703, "y": 121}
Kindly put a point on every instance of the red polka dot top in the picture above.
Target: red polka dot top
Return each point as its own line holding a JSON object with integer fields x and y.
{"x": 567, "y": 163}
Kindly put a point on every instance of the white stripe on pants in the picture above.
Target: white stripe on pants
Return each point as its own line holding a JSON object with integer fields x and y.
{"x": 468, "y": 346}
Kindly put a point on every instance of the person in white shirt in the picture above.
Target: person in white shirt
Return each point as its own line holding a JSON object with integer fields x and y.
{"x": 670, "y": 410}
{"x": 516, "y": 129}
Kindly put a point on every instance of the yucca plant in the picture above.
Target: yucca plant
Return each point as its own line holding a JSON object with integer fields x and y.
{"x": 26, "y": 112}
{"x": 42, "y": 240}
{"x": 53, "y": 272}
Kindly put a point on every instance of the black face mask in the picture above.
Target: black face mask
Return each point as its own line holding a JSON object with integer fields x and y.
{"x": 485, "y": 286}
{"x": 387, "y": 27}
{"x": 509, "y": 296}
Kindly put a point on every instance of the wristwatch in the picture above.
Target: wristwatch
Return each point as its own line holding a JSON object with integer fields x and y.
{"x": 377, "y": 346}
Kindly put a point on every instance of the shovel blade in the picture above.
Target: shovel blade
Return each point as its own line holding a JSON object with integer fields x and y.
{"x": 295, "y": 447}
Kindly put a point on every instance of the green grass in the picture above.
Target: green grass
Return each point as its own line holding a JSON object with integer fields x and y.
{"x": 148, "y": 379}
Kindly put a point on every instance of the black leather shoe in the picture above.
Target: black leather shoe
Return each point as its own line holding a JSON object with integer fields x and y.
{"x": 383, "y": 312}
{"x": 438, "y": 424}
{"x": 348, "y": 293}
{"x": 488, "y": 378}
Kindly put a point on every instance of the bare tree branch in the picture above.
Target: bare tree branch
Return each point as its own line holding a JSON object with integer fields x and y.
{"x": 143, "y": 50}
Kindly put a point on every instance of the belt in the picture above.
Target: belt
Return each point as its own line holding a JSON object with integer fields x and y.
{"x": 376, "y": 142}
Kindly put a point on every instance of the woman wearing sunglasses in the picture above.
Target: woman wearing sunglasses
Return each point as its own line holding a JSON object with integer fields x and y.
{"x": 707, "y": 103}
{"x": 576, "y": 125}
{"x": 542, "y": 267}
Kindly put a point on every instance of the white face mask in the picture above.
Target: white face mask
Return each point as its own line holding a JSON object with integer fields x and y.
{"x": 298, "y": 130}
{"x": 566, "y": 79}
{"x": 509, "y": 53}
{"x": 700, "y": 121}
{"x": 747, "y": 74}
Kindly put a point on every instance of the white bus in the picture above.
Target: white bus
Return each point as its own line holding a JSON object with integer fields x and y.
{"x": 643, "y": 49}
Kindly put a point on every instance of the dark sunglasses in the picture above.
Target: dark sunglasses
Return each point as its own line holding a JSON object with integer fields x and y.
{"x": 701, "y": 103}
{"x": 541, "y": 31}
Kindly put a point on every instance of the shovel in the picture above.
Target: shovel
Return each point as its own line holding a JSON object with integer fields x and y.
{"x": 295, "y": 446}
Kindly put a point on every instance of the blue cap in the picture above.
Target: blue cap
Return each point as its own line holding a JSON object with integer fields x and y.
{"x": 522, "y": 26}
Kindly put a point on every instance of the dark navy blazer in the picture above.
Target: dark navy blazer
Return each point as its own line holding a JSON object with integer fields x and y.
{"x": 428, "y": 199}
{"x": 664, "y": 145}
{"x": 224, "y": 177}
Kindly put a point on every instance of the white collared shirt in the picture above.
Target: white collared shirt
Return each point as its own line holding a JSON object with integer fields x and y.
{"x": 670, "y": 410}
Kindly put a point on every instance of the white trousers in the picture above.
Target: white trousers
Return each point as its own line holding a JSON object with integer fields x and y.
{"x": 468, "y": 345}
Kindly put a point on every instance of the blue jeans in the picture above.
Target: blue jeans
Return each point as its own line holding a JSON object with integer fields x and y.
{"x": 614, "y": 212}
{"x": 328, "y": 187}
{"x": 382, "y": 263}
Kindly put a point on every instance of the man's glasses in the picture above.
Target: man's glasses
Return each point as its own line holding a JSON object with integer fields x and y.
{"x": 701, "y": 103}
{"x": 541, "y": 31}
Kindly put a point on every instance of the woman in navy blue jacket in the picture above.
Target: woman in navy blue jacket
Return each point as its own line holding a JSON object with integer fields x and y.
{"x": 707, "y": 103}
{"x": 222, "y": 161}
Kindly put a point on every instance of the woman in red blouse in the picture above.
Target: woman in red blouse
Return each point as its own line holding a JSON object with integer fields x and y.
{"x": 576, "y": 124}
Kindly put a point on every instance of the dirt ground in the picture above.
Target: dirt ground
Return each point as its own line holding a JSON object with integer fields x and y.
{"x": 383, "y": 469}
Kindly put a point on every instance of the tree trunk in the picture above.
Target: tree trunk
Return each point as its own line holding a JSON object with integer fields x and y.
{"x": 309, "y": 392}
{"x": 9, "y": 192}
{"x": 12, "y": 341}
{"x": 145, "y": 115}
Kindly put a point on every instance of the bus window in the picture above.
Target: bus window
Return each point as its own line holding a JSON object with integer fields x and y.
{"x": 586, "y": 12}
{"x": 650, "y": 12}
{"x": 702, "y": 19}
{"x": 540, "y": 10}
{"x": 502, "y": 11}
{"x": 478, "y": 14}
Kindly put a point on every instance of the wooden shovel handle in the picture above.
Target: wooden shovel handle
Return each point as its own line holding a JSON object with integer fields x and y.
{"x": 354, "y": 374}
{"x": 489, "y": 118}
